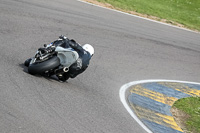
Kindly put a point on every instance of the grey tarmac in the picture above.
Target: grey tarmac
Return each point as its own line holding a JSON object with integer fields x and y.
{"x": 126, "y": 49}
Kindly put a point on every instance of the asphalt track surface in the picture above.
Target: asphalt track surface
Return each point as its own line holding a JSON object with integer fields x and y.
{"x": 126, "y": 49}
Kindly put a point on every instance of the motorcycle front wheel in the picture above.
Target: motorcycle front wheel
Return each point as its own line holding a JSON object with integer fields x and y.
{"x": 39, "y": 68}
{"x": 27, "y": 62}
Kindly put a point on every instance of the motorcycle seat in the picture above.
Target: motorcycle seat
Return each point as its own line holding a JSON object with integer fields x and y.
{"x": 67, "y": 56}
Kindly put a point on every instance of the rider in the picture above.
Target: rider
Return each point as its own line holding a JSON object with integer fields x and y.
{"x": 85, "y": 53}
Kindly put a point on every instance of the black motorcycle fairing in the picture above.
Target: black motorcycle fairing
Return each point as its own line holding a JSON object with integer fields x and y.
{"x": 62, "y": 43}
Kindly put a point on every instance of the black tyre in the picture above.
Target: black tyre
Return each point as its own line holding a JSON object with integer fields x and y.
{"x": 39, "y": 68}
{"x": 27, "y": 62}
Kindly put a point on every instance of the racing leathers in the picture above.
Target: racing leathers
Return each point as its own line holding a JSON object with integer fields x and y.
{"x": 82, "y": 62}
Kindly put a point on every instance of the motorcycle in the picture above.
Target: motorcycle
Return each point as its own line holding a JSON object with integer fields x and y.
{"x": 53, "y": 59}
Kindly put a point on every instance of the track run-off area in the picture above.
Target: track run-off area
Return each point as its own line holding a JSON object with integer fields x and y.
{"x": 127, "y": 48}
{"x": 149, "y": 102}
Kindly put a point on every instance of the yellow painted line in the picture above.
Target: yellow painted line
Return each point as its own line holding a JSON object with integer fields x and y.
{"x": 169, "y": 120}
{"x": 138, "y": 89}
{"x": 181, "y": 87}
{"x": 158, "y": 118}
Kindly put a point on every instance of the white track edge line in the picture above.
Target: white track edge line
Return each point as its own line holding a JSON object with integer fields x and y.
{"x": 139, "y": 17}
{"x": 122, "y": 94}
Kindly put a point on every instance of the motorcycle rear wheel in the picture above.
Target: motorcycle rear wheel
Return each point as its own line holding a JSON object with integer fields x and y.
{"x": 39, "y": 68}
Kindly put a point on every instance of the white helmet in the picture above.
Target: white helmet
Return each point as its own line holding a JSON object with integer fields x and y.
{"x": 89, "y": 48}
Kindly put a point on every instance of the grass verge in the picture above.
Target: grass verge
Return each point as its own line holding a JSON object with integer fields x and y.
{"x": 183, "y": 12}
{"x": 188, "y": 113}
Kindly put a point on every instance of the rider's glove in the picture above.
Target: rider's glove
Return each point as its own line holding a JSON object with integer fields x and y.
{"x": 63, "y": 37}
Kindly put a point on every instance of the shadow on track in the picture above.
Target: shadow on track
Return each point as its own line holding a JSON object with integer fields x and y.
{"x": 49, "y": 78}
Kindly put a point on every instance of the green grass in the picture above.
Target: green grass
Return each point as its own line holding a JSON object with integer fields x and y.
{"x": 190, "y": 106}
{"x": 185, "y": 12}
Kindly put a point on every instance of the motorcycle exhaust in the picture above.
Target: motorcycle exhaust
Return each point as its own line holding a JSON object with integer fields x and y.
{"x": 65, "y": 69}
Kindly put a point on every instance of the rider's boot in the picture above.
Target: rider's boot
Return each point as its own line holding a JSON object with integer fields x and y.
{"x": 62, "y": 77}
